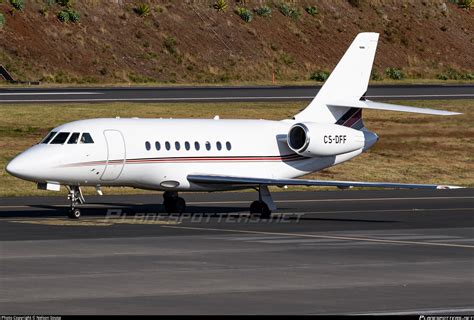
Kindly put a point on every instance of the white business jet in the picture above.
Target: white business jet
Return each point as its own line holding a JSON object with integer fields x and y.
{"x": 175, "y": 155}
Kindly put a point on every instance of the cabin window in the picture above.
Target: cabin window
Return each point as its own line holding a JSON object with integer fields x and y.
{"x": 177, "y": 145}
{"x": 86, "y": 138}
{"x": 187, "y": 146}
{"x": 60, "y": 138}
{"x": 167, "y": 145}
{"x": 157, "y": 146}
{"x": 147, "y": 145}
{"x": 197, "y": 146}
{"x": 218, "y": 145}
{"x": 49, "y": 137}
{"x": 74, "y": 138}
{"x": 228, "y": 145}
{"x": 208, "y": 145}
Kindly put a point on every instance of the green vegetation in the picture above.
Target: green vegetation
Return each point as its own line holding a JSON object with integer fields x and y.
{"x": 465, "y": 4}
{"x": 18, "y": 4}
{"x": 158, "y": 9}
{"x": 320, "y": 76}
{"x": 74, "y": 16}
{"x": 220, "y": 5}
{"x": 44, "y": 11}
{"x": 452, "y": 74}
{"x": 66, "y": 14}
{"x": 142, "y": 10}
{"x": 311, "y": 10}
{"x": 63, "y": 16}
{"x": 170, "y": 45}
{"x": 263, "y": 11}
{"x": 394, "y": 73}
{"x": 289, "y": 11}
{"x": 63, "y": 3}
{"x": 2, "y": 20}
{"x": 375, "y": 75}
{"x": 411, "y": 149}
{"x": 244, "y": 13}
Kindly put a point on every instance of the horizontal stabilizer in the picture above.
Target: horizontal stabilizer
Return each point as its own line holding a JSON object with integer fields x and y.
{"x": 248, "y": 181}
{"x": 367, "y": 104}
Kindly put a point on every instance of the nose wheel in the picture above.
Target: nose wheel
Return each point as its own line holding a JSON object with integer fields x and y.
{"x": 74, "y": 213}
{"x": 75, "y": 197}
{"x": 173, "y": 203}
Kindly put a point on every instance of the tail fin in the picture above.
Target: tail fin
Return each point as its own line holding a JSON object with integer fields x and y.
{"x": 341, "y": 98}
{"x": 348, "y": 81}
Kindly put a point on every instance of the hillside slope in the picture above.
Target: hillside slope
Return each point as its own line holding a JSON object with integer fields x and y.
{"x": 190, "y": 41}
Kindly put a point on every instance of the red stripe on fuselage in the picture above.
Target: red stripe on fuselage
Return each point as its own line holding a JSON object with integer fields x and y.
{"x": 291, "y": 157}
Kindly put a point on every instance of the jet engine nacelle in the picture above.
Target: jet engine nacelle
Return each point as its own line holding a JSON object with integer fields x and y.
{"x": 319, "y": 140}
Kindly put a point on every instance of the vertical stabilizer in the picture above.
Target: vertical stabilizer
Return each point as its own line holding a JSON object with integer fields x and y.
{"x": 348, "y": 81}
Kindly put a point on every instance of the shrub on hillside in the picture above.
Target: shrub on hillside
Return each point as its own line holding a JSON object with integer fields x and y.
{"x": 244, "y": 14}
{"x": 374, "y": 75}
{"x": 2, "y": 20}
{"x": 170, "y": 45}
{"x": 394, "y": 73}
{"x": 263, "y": 11}
{"x": 142, "y": 10}
{"x": 18, "y": 4}
{"x": 74, "y": 16}
{"x": 320, "y": 76}
{"x": 69, "y": 15}
{"x": 452, "y": 74}
{"x": 465, "y": 4}
{"x": 220, "y": 5}
{"x": 63, "y": 3}
{"x": 63, "y": 16}
{"x": 289, "y": 11}
{"x": 311, "y": 10}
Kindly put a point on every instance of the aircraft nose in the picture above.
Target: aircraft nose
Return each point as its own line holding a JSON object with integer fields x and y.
{"x": 21, "y": 167}
{"x": 15, "y": 167}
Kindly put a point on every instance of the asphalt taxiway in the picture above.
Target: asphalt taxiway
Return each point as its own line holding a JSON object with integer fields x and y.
{"x": 224, "y": 94}
{"x": 349, "y": 251}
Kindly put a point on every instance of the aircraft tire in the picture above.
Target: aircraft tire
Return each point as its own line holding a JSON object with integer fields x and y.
{"x": 74, "y": 213}
{"x": 261, "y": 208}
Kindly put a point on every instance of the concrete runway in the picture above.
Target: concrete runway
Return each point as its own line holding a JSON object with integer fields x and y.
{"x": 323, "y": 252}
{"x": 219, "y": 94}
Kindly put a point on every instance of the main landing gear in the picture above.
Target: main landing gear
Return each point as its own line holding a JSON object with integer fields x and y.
{"x": 264, "y": 205}
{"x": 173, "y": 203}
{"x": 75, "y": 197}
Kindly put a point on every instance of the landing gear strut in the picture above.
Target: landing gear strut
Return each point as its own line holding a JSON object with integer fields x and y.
{"x": 75, "y": 197}
{"x": 173, "y": 203}
{"x": 264, "y": 205}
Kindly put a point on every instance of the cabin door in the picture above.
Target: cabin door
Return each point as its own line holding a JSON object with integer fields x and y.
{"x": 115, "y": 155}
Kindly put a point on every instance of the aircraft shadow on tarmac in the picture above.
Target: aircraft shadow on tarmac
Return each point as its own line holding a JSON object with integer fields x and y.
{"x": 150, "y": 209}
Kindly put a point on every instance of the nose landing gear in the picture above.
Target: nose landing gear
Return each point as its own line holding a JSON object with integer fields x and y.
{"x": 75, "y": 197}
{"x": 173, "y": 203}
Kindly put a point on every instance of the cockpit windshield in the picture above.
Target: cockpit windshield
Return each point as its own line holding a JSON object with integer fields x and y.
{"x": 74, "y": 138}
{"x": 60, "y": 138}
{"x": 86, "y": 138}
{"x": 48, "y": 138}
